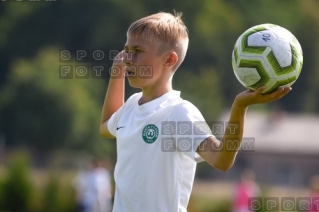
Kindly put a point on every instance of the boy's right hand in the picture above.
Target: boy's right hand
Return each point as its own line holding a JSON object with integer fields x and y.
{"x": 114, "y": 97}
{"x": 118, "y": 59}
{"x": 117, "y": 69}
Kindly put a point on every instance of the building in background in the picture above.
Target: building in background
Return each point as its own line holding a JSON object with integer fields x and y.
{"x": 285, "y": 149}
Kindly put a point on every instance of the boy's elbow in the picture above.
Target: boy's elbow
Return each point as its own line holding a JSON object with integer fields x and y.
{"x": 222, "y": 166}
{"x": 104, "y": 132}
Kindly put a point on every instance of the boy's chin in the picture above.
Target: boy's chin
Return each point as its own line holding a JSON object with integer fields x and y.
{"x": 134, "y": 83}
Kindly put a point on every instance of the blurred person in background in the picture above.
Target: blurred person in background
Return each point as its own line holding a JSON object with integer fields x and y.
{"x": 93, "y": 188}
{"x": 314, "y": 194}
{"x": 246, "y": 188}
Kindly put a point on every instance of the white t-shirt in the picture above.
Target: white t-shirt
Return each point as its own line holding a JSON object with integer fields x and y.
{"x": 156, "y": 153}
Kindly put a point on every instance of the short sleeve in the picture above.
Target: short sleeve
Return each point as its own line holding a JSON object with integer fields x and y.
{"x": 191, "y": 129}
{"x": 113, "y": 122}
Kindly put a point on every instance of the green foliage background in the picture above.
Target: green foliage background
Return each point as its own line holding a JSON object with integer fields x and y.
{"x": 57, "y": 120}
{"x": 44, "y": 113}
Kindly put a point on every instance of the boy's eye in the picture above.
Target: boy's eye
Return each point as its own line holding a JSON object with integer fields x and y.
{"x": 136, "y": 51}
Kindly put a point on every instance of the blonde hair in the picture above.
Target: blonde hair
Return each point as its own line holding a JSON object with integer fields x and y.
{"x": 167, "y": 29}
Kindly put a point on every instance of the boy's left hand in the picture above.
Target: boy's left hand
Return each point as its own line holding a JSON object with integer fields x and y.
{"x": 247, "y": 97}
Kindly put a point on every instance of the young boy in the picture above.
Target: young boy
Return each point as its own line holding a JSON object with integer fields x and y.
{"x": 161, "y": 137}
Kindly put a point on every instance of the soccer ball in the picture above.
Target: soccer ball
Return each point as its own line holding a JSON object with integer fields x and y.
{"x": 267, "y": 55}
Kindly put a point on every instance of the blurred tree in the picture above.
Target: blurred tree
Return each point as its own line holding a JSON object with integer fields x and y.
{"x": 44, "y": 112}
{"x": 310, "y": 84}
{"x": 214, "y": 28}
{"x": 62, "y": 110}
{"x": 217, "y": 28}
{"x": 202, "y": 89}
{"x": 51, "y": 201}
{"x": 17, "y": 187}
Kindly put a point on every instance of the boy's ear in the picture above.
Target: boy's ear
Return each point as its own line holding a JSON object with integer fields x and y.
{"x": 170, "y": 59}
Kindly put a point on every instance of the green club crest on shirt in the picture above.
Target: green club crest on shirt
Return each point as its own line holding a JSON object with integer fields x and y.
{"x": 150, "y": 133}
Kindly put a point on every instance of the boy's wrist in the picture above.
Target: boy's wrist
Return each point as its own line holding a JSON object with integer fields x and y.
{"x": 240, "y": 104}
{"x": 117, "y": 71}
{"x": 118, "y": 59}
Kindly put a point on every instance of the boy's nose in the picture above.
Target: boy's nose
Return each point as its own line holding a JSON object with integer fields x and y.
{"x": 128, "y": 57}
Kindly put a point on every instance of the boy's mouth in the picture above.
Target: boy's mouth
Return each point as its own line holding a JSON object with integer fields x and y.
{"x": 130, "y": 71}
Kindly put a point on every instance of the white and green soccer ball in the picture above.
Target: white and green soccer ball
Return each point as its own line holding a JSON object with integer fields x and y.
{"x": 267, "y": 55}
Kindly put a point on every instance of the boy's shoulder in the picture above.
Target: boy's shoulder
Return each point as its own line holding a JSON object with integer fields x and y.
{"x": 184, "y": 108}
{"x": 133, "y": 98}
{"x": 183, "y": 104}
{"x": 179, "y": 106}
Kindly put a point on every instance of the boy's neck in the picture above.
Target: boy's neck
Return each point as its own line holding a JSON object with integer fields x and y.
{"x": 149, "y": 94}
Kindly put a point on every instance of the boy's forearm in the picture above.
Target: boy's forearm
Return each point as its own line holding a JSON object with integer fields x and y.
{"x": 114, "y": 97}
{"x": 235, "y": 125}
{"x": 233, "y": 136}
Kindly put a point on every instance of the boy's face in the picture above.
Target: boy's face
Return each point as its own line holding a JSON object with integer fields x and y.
{"x": 143, "y": 66}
